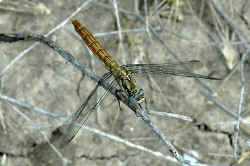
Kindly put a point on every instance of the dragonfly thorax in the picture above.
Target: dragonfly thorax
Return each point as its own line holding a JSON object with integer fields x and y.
{"x": 128, "y": 83}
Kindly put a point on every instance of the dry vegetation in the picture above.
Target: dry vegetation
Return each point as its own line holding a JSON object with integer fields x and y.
{"x": 206, "y": 121}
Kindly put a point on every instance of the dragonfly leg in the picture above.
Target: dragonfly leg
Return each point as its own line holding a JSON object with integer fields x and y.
{"x": 137, "y": 114}
{"x": 79, "y": 85}
{"x": 118, "y": 98}
{"x": 117, "y": 115}
{"x": 142, "y": 108}
{"x": 146, "y": 105}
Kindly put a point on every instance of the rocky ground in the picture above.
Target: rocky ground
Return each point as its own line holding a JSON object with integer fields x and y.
{"x": 192, "y": 29}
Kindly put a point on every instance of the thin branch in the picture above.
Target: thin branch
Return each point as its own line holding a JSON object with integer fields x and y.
{"x": 240, "y": 104}
{"x": 93, "y": 130}
{"x": 42, "y": 133}
{"x": 170, "y": 115}
{"x": 27, "y": 106}
{"x": 66, "y": 55}
{"x": 19, "y": 56}
{"x": 240, "y": 65}
{"x": 118, "y": 23}
{"x": 146, "y": 17}
{"x": 228, "y": 20}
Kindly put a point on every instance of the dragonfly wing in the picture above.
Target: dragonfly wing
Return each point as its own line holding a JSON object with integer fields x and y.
{"x": 165, "y": 69}
{"x": 79, "y": 118}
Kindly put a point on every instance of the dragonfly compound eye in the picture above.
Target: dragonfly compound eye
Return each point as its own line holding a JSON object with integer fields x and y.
{"x": 137, "y": 97}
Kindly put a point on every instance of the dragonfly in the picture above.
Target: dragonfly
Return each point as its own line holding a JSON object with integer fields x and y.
{"x": 123, "y": 75}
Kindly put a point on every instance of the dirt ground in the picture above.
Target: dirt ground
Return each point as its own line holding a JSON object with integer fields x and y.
{"x": 192, "y": 29}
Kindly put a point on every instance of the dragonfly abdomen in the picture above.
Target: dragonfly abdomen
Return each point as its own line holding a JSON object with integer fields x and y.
{"x": 124, "y": 77}
{"x": 94, "y": 45}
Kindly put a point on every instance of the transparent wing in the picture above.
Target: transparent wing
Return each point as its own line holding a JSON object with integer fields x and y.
{"x": 79, "y": 118}
{"x": 165, "y": 69}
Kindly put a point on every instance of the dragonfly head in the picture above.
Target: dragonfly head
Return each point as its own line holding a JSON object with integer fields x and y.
{"x": 138, "y": 97}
